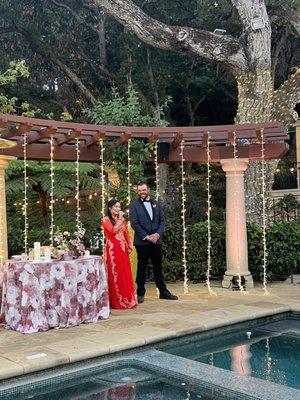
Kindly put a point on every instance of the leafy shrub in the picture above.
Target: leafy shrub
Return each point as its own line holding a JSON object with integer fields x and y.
{"x": 283, "y": 246}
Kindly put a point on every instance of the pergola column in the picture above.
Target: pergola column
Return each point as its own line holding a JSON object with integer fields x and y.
{"x": 4, "y": 162}
{"x": 236, "y": 229}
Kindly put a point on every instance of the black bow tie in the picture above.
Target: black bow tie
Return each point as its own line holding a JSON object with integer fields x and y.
{"x": 146, "y": 200}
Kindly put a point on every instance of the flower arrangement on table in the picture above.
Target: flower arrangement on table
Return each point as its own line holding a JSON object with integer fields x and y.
{"x": 68, "y": 246}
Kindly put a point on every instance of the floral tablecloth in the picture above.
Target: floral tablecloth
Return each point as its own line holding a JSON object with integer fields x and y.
{"x": 39, "y": 295}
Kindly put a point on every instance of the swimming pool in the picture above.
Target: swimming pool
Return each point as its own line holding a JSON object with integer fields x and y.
{"x": 186, "y": 368}
{"x": 270, "y": 351}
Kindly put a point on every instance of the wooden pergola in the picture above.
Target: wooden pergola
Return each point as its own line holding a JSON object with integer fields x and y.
{"x": 195, "y": 139}
{"x": 252, "y": 140}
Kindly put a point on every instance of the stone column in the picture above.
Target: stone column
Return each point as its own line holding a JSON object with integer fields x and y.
{"x": 4, "y": 161}
{"x": 236, "y": 229}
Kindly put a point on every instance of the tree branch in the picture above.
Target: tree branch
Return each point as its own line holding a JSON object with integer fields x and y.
{"x": 69, "y": 9}
{"x": 277, "y": 49}
{"x": 257, "y": 43}
{"x": 225, "y": 49}
{"x": 37, "y": 47}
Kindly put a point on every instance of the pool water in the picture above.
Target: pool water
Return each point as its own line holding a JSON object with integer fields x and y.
{"x": 121, "y": 384}
{"x": 270, "y": 352}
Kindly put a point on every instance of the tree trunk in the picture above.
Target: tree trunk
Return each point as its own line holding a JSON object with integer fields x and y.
{"x": 255, "y": 105}
{"x": 102, "y": 38}
{"x": 157, "y": 113}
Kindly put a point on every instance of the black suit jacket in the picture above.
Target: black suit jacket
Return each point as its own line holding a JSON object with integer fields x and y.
{"x": 142, "y": 223}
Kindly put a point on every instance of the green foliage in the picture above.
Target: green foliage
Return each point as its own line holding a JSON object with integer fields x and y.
{"x": 13, "y": 72}
{"x": 287, "y": 208}
{"x": 39, "y": 197}
{"x": 124, "y": 110}
{"x": 9, "y": 105}
{"x": 283, "y": 244}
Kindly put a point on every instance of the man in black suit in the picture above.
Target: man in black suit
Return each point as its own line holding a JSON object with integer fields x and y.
{"x": 148, "y": 222}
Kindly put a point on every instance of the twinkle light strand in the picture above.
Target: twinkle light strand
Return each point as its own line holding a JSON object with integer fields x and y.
{"x": 51, "y": 207}
{"x": 128, "y": 173}
{"x": 183, "y": 215}
{"x": 264, "y": 216}
{"x": 25, "y": 202}
{"x": 77, "y": 196}
{"x": 2, "y": 257}
{"x": 235, "y": 159}
{"x": 156, "y": 169}
{"x": 211, "y": 292}
{"x": 103, "y": 191}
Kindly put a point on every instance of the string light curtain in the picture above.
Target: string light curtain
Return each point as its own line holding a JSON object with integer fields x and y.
{"x": 264, "y": 216}
{"x": 128, "y": 174}
{"x": 25, "y": 202}
{"x": 103, "y": 190}
{"x": 208, "y": 217}
{"x": 183, "y": 216}
{"x": 156, "y": 169}
{"x": 77, "y": 196}
{"x": 235, "y": 158}
{"x": 1, "y": 225}
{"x": 51, "y": 190}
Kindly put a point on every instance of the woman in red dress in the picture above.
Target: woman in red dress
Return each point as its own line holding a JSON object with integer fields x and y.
{"x": 122, "y": 294}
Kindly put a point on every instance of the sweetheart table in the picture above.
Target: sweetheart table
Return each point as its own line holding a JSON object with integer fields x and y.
{"x": 39, "y": 295}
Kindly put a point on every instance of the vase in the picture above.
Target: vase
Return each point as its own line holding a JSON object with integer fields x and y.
{"x": 67, "y": 257}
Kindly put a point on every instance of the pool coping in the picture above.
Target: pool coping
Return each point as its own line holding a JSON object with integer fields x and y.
{"x": 168, "y": 365}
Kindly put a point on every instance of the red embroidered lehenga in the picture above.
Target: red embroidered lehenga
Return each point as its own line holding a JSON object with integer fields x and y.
{"x": 122, "y": 294}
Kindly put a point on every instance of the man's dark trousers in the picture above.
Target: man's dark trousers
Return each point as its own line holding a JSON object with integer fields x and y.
{"x": 154, "y": 253}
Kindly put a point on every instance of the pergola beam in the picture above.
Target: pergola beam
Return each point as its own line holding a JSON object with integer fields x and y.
{"x": 42, "y": 134}
{"x": 94, "y": 139}
{"x": 68, "y": 137}
{"x": 177, "y": 140}
{"x": 221, "y": 138}
{"x": 16, "y": 130}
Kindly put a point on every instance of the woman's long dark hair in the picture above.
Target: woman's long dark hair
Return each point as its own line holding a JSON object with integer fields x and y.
{"x": 110, "y": 204}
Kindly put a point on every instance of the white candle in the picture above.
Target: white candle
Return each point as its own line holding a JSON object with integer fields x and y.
{"x": 37, "y": 251}
{"x": 87, "y": 253}
{"x": 47, "y": 253}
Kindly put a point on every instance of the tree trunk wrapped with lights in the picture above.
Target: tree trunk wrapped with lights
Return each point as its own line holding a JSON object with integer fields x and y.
{"x": 248, "y": 57}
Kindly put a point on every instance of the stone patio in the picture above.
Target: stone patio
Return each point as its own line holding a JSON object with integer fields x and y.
{"x": 152, "y": 321}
